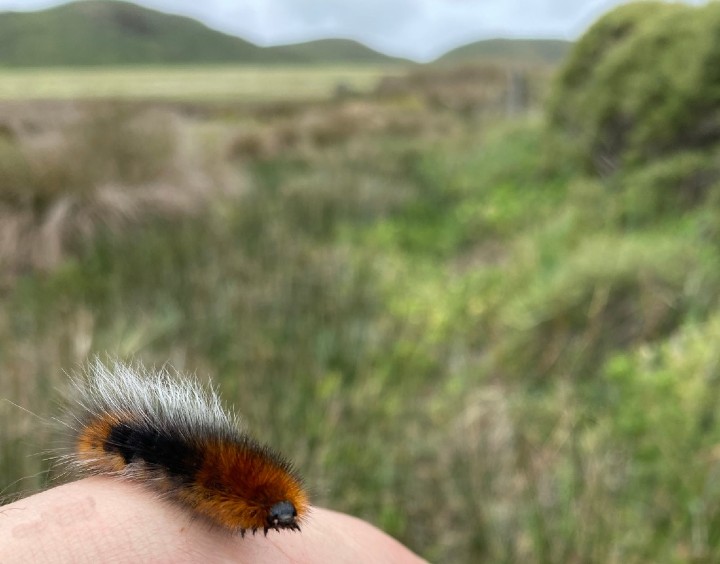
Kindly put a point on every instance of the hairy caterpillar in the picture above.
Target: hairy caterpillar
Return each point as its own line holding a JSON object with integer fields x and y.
{"x": 171, "y": 434}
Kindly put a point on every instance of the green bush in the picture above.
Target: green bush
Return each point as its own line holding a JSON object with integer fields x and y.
{"x": 642, "y": 83}
{"x": 663, "y": 189}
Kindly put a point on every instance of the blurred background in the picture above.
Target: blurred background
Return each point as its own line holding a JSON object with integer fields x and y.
{"x": 458, "y": 260}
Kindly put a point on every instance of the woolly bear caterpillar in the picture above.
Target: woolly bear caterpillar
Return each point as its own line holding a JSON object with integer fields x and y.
{"x": 171, "y": 434}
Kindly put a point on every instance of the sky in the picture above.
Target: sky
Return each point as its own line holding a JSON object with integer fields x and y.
{"x": 417, "y": 29}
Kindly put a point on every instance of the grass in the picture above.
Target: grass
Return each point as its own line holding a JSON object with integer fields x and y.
{"x": 111, "y": 167}
{"x": 234, "y": 83}
{"x": 491, "y": 355}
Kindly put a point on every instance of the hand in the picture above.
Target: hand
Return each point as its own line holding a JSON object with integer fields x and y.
{"x": 102, "y": 519}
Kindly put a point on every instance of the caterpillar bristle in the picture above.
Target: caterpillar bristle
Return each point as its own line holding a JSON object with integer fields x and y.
{"x": 171, "y": 434}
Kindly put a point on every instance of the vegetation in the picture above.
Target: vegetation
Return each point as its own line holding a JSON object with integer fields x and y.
{"x": 642, "y": 84}
{"x": 224, "y": 84}
{"x": 459, "y": 330}
{"x": 109, "y": 32}
{"x": 536, "y": 51}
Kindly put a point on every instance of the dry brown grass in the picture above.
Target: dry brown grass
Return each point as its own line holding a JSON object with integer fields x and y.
{"x": 318, "y": 127}
{"x": 469, "y": 89}
{"x": 104, "y": 167}
{"x": 421, "y": 103}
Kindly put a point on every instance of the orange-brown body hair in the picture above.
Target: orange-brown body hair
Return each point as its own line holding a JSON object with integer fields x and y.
{"x": 255, "y": 481}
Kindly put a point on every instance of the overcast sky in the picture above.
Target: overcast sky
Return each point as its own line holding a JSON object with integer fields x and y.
{"x": 420, "y": 29}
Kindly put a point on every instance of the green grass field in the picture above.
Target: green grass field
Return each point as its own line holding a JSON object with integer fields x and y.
{"x": 219, "y": 83}
{"x": 455, "y": 325}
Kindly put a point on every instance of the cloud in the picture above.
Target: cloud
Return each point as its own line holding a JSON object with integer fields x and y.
{"x": 421, "y": 29}
{"x": 369, "y": 18}
{"x": 367, "y": 15}
{"x": 26, "y": 5}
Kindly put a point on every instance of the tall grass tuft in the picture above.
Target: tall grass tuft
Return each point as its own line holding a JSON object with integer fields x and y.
{"x": 111, "y": 169}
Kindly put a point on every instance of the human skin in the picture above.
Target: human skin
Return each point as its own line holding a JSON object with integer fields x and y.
{"x": 101, "y": 519}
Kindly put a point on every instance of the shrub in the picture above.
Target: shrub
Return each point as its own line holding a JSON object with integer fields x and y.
{"x": 642, "y": 83}
{"x": 663, "y": 188}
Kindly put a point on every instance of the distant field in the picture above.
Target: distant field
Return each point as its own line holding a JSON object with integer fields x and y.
{"x": 188, "y": 83}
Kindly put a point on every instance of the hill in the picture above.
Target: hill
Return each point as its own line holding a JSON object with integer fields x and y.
{"x": 95, "y": 32}
{"x": 332, "y": 51}
{"x": 551, "y": 51}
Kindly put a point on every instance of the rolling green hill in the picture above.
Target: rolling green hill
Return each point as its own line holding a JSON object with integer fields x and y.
{"x": 94, "y": 32}
{"x": 550, "y": 51}
{"x": 110, "y": 32}
{"x": 332, "y": 51}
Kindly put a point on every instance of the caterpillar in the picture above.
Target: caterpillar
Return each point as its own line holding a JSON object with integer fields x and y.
{"x": 171, "y": 434}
